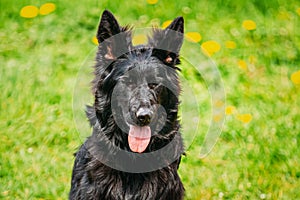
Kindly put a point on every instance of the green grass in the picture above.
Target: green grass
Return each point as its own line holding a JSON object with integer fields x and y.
{"x": 40, "y": 59}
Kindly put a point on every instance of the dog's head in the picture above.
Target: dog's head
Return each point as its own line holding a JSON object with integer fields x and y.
{"x": 136, "y": 87}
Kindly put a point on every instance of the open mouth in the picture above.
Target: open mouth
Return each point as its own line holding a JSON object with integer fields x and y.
{"x": 139, "y": 138}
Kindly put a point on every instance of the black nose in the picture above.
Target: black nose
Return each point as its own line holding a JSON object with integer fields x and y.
{"x": 144, "y": 116}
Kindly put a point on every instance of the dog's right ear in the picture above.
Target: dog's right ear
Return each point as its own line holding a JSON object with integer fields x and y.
{"x": 110, "y": 35}
{"x": 108, "y": 26}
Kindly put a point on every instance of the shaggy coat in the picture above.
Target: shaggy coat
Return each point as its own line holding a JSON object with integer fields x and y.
{"x": 154, "y": 86}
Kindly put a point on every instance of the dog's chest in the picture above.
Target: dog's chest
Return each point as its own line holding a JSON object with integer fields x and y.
{"x": 153, "y": 185}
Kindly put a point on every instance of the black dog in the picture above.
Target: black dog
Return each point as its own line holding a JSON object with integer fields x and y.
{"x": 136, "y": 147}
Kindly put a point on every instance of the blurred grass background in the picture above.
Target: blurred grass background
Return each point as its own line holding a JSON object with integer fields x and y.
{"x": 257, "y": 155}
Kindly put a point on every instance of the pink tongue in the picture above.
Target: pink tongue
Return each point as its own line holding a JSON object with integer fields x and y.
{"x": 139, "y": 138}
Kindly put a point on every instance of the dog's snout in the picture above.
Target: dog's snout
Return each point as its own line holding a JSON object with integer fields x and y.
{"x": 144, "y": 116}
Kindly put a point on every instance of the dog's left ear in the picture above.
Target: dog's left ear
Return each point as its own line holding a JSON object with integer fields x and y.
{"x": 177, "y": 25}
{"x": 113, "y": 39}
{"x": 167, "y": 43}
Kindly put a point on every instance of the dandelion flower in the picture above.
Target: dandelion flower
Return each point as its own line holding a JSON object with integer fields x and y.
{"x": 47, "y": 8}
{"x": 249, "y": 25}
{"x": 221, "y": 195}
{"x": 139, "y": 39}
{"x": 262, "y": 196}
{"x": 295, "y": 77}
{"x": 152, "y": 1}
{"x": 95, "y": 40}
{"x": 210, "y": 47}
{"x": 29, "y": 11}
{"x": 193, "y": 37}
{"x": 218, "y": 103}
{"x": 5, "y": 193}
{"x": 242, "y": 64}
{"x": 245, "y": 118}
{"x": 166, "y": 23}
{"x": 217, "y": 117}
{"x": 230, "y": 44}
{"x": 229, "y": 110}
{"x": 298, "y": 11}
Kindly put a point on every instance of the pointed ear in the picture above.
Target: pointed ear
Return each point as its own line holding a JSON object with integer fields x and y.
{"x": 177, "y": 25}
{"x": 108, "y": 26}
{"x": 113, "y": 39}
{"x": 167, "y": 43}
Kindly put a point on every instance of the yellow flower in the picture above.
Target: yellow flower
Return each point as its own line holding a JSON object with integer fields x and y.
{"x": 298, "y": 11}
{"x": 152, "y": 1}
{"x": 229, "y": 110}
{"x": 210, "y": 47}
{"x": 230, "y": 44}
{"x": 217, "y": 117}
{"x": 245, "y": 118}
{"x": 47, "y": 8}
{"x": 218, "y": 103}
{"x": 242, "y": 64}
{"x": 29, "y": 11}
{"x": 95, "y": 40}
{"x": 166, "y": 23}
{"x": 249, "y": 25}
{"x": 5, "y": 193}
{"x": 193, "y": 36}
{"x": 295, "y": 77}
{"x": 139, "y": 39}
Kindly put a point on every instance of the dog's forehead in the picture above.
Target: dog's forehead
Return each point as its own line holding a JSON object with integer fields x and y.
{"x": 145, "y": 69}
{"x": 142, "y": 65}
{"x": 141, "y": 57}
{"x": 140, "y": 52}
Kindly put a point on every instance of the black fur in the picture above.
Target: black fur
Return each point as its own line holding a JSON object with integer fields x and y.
{"x": 141, "y": 75}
